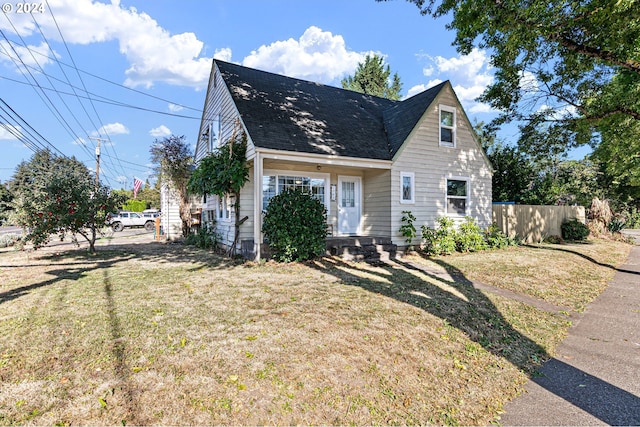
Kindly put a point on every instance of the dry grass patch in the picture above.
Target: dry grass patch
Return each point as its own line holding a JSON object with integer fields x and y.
{"x": 569, "y": 275}
{"x": 167, "y": 334}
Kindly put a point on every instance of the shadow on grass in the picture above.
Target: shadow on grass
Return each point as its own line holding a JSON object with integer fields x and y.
{"x": 581, "y": 255}
{"x": 80, "y": 262}
{"x": 453, "y": 298}
{"x": 119, "y": 351}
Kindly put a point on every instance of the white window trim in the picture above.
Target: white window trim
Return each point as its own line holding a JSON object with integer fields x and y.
{"x": 313, "y": 175}
{"x": 228, "y": 209}
{"x": 454, "y": 132}
{"x": 411, "y": 175}
{"x": 467, "y": 197}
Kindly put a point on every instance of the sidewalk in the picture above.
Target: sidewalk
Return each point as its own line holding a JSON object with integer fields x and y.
{"x": 595, "y": 377}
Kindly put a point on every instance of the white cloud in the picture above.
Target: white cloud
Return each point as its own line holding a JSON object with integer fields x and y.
{"x": 317, "y": 55}
{"x": 469, "y": 74}
{"x": 34, "y": 57}
{"x": 175, "y": 108}
{"x": 112, "y": 129}
{"x": 223, "y": 54}
{"x": 160, "y": 131}
{"x": 10, "y": 132}
{"x": 154, "y": 54}
{"x": 79, "y": 141}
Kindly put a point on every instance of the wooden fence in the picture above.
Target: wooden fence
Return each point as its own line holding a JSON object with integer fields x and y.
{"x": 534, "y": 223}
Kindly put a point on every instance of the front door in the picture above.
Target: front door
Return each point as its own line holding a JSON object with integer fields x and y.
{"x": 349, "y": 210}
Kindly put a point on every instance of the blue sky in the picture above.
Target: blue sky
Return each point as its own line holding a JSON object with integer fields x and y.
{"x": 133, "y": 71}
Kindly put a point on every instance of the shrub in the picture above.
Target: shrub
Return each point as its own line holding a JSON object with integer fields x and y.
{"x": 295, "y": 226}
{"x": 496, "y": 239}
{"x": 469, "y": 237}
{"x": 440, "y": 241}
{"x": 574, "y": 230}
{"x": 7, "y": 240}
{"x": 205, "y": 238}
{"x": 407, "y": 229}
{"x": 134, "y": 205}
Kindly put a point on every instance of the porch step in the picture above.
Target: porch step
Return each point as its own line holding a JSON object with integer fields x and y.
{"x": 367, "y": 249}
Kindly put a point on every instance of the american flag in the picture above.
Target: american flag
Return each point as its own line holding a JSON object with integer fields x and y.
{"x": 136, "y": 187}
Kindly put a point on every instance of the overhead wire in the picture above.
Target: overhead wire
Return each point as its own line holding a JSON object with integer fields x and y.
{"x": 65, "y": 75}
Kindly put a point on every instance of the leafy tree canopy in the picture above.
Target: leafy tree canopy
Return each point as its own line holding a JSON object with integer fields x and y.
{"x": 58, "y": 195}
{"x": 373, "y": 78}
{"x": 173, "y": 160}
{"x": 6, "y": 197}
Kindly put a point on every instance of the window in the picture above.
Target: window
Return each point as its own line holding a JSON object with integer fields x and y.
{"x": 224, "y": 208}
{"x": 214, "y": 133}
{"x": 273, "y": 184}
{"x": 447, "y": 126}
{"x": 457, "y": 196}
{"x": 407, "y": 187}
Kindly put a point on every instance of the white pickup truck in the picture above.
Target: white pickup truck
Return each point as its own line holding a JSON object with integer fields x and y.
{"x": 118, "y": 221}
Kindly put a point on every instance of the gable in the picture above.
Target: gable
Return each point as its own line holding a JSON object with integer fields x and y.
{"x": 426, "y": 133}
{"x": 401, "y": 119}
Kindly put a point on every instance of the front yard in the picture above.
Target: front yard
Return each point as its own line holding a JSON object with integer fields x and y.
{"x": 169, "y": 334}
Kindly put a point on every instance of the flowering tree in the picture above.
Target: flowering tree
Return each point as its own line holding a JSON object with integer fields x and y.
{"x": 58, "y": 195}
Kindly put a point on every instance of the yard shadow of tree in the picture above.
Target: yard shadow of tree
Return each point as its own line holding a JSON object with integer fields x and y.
{"x": 473, "y": 313}
{"x": 581, "y": 255}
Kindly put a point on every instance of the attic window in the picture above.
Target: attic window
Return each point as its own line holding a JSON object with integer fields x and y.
{"x": 447, "y": 126}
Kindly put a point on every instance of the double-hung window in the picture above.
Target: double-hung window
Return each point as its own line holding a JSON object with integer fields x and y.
{"x": 447, "y": 126}
{"x": 457, "y": 196}
{"x": 407, "y": 187}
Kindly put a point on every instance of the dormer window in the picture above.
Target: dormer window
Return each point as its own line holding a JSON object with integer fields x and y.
{"x": 447, "y": 126}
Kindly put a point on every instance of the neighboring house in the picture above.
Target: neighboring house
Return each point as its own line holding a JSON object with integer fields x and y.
{"x": 170, "y": 207}
{"x": 366, "y": 158}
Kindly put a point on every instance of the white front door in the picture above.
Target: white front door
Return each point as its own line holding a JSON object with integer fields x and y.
{"x": 349, "y": 210}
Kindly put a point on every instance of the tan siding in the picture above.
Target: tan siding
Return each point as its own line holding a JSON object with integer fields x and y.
{"x": 433, "y": 164}
{"x": 376, "y": 213}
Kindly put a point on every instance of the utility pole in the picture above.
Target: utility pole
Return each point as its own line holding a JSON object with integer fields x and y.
{"x": 98, "y": 158}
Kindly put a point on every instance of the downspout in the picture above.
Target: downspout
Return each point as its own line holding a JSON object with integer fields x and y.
{"x": 257, "y": 204}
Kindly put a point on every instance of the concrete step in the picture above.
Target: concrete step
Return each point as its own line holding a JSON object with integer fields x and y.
{"x": 368, "y": 249}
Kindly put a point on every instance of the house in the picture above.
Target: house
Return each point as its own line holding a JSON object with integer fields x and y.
{"x": 366, "y": 158}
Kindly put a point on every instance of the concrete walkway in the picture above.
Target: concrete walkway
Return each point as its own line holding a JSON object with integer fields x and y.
{"x": 595, "y": 377}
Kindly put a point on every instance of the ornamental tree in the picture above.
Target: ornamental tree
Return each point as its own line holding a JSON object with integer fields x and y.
{"x": 58, "y": 195}
{"x": 223, "y": 173}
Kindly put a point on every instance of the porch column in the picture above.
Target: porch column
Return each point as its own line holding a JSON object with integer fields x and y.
{"x": 257, "y": 204}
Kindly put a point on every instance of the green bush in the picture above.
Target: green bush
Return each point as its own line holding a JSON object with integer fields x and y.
{"x": 469, "y": 237}
{"x": 204, "y": 238}
{"x": 439, "y": 241}
{"x": 134, "y": 205}
{"x": 574, "y": 230}
{"x": 496, "y": 239}
{"x": 295, "y": 226}
{"x": 632, "y": 218}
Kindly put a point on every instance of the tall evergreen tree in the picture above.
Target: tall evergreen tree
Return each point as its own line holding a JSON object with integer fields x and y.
{"x": 373, "y": 78}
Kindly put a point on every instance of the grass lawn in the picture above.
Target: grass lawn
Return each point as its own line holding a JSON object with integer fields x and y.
{"x": 168, "y": 334}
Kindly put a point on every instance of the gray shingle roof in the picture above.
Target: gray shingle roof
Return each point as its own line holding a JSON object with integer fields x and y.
{"x": 283, "y": 113}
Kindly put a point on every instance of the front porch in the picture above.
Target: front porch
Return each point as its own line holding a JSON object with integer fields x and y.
{"x": 356, "y": 194}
